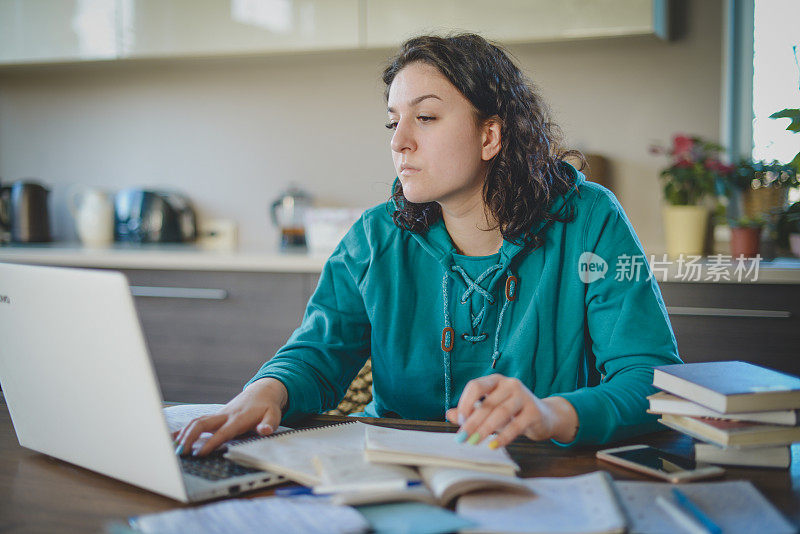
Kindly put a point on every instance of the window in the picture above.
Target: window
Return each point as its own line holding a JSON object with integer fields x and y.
{"x": 776, "y": 79}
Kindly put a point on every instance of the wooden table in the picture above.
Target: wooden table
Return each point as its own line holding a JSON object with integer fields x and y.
{"x": 42, "y": 494}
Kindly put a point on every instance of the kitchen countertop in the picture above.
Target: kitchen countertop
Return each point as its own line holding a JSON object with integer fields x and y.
{"x": 166, "y": 257}
{"x": 191, "y": 257}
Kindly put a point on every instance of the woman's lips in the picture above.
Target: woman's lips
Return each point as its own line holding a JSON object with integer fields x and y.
{"x": 407, "y": 170}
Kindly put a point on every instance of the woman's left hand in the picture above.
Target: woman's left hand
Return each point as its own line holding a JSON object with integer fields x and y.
{"x": 510, "y": 409}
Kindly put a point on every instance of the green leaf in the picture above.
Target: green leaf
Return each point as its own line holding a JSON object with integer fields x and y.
{"x": 796, "y": 163}
{"x": 789, "y": 113}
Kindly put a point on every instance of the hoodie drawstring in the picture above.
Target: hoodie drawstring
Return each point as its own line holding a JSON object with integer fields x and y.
{"x": 448, "y": 334}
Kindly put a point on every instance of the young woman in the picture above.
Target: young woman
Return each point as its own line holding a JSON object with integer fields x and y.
{"x": 471, "y": 289}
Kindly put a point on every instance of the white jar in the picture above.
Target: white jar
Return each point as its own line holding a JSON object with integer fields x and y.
{"x": 93, "y": 213}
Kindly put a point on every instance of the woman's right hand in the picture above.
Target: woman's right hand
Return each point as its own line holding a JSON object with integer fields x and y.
{"x": 258, "y": 407}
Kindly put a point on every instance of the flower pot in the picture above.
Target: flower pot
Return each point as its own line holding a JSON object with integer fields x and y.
{"x": 685, "y": 229}
{"x": 794, "y": 244}
{"x": 745, "y": 241}
{"x": 764, "y": 201}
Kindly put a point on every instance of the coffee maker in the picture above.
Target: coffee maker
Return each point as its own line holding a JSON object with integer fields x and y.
{"x": 288, "y": 212}
{"x": 24, "y": 213}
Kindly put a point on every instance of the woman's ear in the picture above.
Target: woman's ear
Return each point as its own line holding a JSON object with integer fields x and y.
{"x": 491, "y": 138}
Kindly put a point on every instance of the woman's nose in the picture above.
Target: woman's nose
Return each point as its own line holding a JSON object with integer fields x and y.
{"x": 403, "y": 137}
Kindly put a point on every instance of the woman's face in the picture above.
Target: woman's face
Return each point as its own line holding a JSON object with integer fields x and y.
{"x": 439, "y": 152}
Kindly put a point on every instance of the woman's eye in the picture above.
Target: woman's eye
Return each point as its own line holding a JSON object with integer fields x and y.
{"x": 425, "y": 118}
{"x": 391, "y": 125}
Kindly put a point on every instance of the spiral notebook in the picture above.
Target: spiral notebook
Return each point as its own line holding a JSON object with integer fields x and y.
{"x": 291, "y": 453}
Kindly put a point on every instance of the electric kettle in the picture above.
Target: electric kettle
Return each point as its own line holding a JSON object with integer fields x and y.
{"x": 24, "y": 212}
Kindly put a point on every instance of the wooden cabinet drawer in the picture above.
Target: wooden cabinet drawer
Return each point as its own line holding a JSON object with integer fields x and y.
{"x": 759, "y": 323}
{"x": 210, "y": 331}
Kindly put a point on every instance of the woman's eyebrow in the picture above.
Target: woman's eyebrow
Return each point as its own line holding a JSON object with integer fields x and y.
{"x": 416, "y": 101}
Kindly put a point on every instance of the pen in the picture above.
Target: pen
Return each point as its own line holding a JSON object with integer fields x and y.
{"x": 291, "y": 492}
{"x": 329, "y": 490}
{"x": 680, "y": 517}
{"x": 462, "y": 436}
{"x": 698, "y": 514}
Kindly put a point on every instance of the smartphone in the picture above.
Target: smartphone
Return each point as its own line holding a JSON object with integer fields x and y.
{"x": 660, "y": 464}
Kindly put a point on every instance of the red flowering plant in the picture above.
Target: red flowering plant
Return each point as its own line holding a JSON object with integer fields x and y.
{"x": 694, "y": 170}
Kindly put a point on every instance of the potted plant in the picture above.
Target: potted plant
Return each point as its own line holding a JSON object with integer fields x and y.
{"x": 687, "y": 183}
{"x": 759, "y": 190}
{"x": 746, "y": 236}
{"x": 788, "y": 231}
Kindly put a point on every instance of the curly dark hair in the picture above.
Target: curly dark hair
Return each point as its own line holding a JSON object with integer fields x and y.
{"x": 528, "y": 172}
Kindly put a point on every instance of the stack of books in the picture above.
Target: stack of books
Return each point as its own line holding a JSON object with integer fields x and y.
{"x": 743, "y": 413}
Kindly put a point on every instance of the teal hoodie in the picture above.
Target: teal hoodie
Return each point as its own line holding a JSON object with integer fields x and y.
{"x": 391, "y": 294}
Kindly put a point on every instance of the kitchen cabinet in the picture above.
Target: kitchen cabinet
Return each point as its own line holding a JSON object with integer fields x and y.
{"x": 210, "y": 27}
{"x": 209, "y": 332}
{"x": 759, "y": 323}
{"x": 57, "y": 31}
{"x": 53, "y": 31}
{"x": 389, "y": 22}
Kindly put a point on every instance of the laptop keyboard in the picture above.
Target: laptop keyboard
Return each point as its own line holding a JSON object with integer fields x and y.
{"x": 214, "y": 467}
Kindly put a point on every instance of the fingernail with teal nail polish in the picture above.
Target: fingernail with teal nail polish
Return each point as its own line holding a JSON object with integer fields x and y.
{"x": 474, "y": 439}
{"x": 461, "y": 437}
{"x": 179, "y": 450}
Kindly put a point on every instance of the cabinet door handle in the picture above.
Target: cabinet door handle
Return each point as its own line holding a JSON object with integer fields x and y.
{"x": 179, "y": 292}
{"x": 727, "y": 312}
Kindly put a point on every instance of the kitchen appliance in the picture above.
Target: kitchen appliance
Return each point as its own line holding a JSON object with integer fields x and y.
{"x": 24, "y": 212}
{"x": 325, "y": 227}
{"x": 288, "y": 214}
{"x": 146, "y": 216}
{"x": 218, "y": 234}
{"x": 93, "y": 213}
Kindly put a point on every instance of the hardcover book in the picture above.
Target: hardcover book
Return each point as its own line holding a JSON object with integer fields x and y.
{"x": 730, "y": 386}
{"x": 780, "y": 456}
{"x": 663, "y": 402}
{"x": 727, "y": 433}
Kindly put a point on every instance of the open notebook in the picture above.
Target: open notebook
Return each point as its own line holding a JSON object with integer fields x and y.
{"x": 292, "y": 453}
{"x": 355, "y": 481}
{"x": 735, "y": 505}
{"x": 583, "y": 503}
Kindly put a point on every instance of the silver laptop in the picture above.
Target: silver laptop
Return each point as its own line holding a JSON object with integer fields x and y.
{"x": 79, "y": 384}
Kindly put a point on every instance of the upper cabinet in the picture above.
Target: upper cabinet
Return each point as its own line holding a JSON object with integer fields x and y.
{"x": 44, "y": 31}
{"x": 389, "y": 22}
{"x": 53, "y": 31}
{"x": 218, "y": 27}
